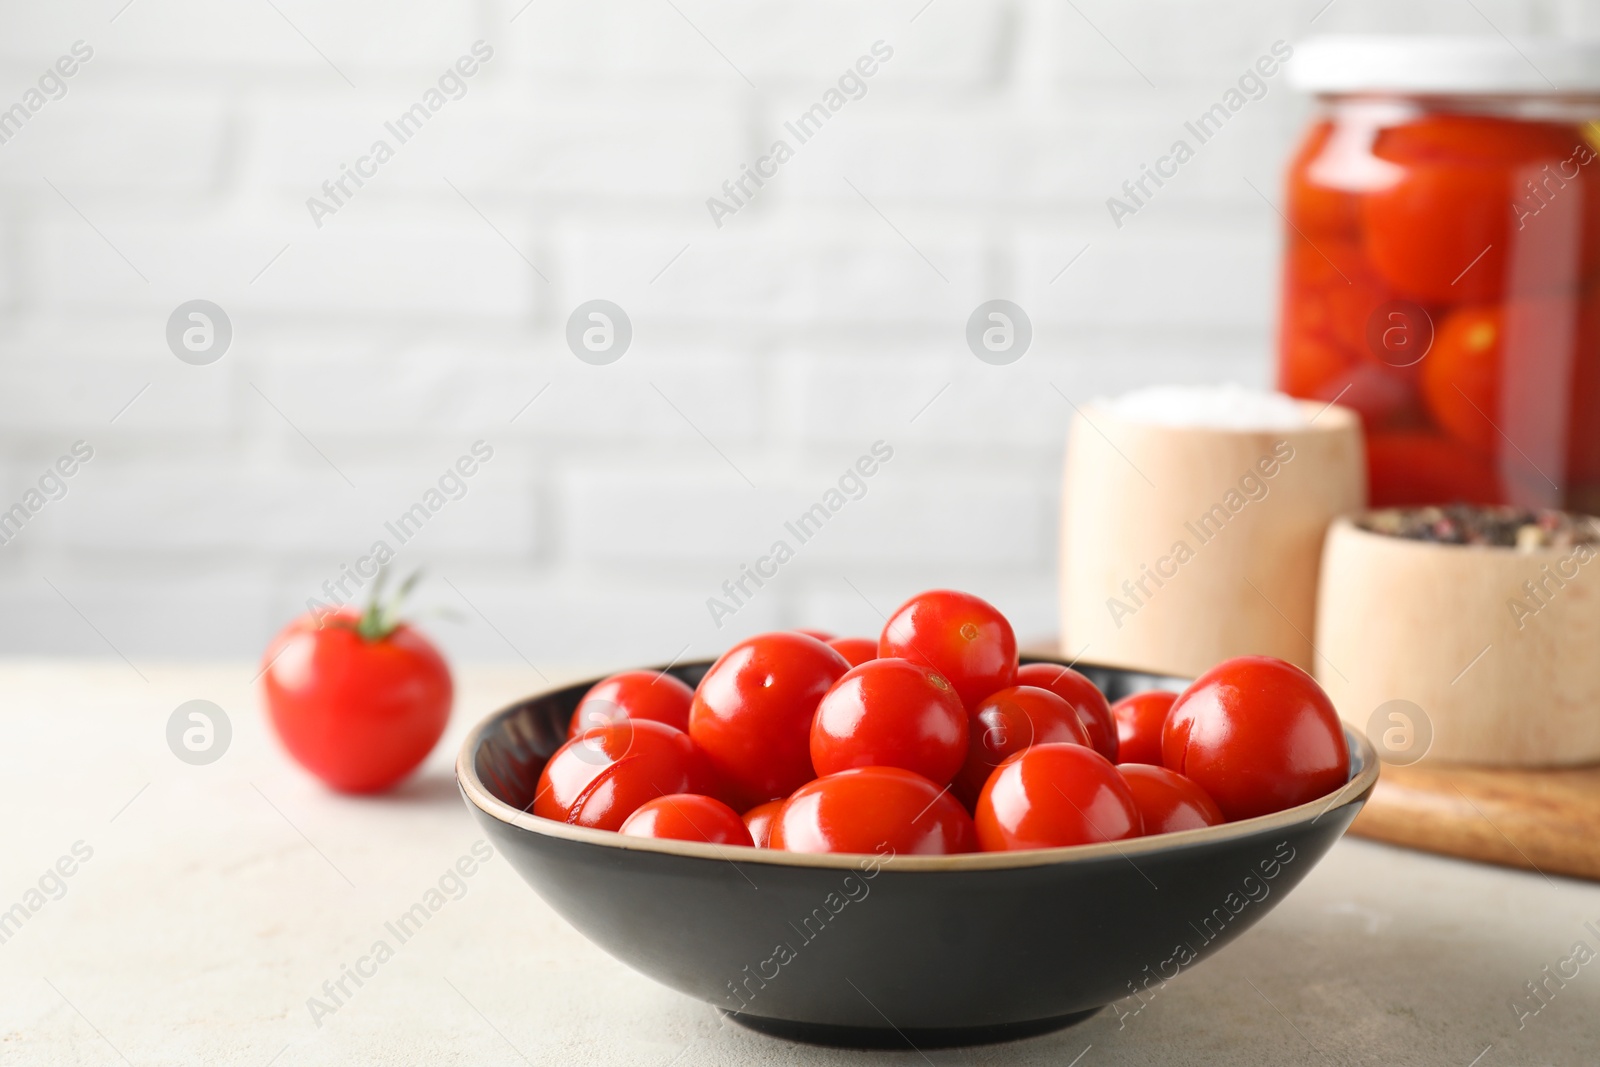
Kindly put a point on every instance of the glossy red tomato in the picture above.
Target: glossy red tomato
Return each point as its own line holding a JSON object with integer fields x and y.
{"x": 821, "y": 635}
{"x": 1168, "y": 802}
{"x": 688, "y": 817}
{"x": 758, "y": 820}
{"x": 1139, "y": 721}
{"x": 890, "y": 713}
{"x": 962, "y": 637}
{"x": 873, "y": 809}
{"x": 855, "y": 650}
{"x": 1053, "y": 795}
{"x": 602, "y": 776}
{"x": 1085, "y": 698}
{"x": 358, "y": 710}
{"x": 633, "y": 695}
{"x": 752, "y": 713}
{"x": 1258, "y": 735}
{"x": 1007, "y": 722}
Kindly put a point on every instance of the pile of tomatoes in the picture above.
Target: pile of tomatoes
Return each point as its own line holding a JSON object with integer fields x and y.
{"x": 932, "y": 739}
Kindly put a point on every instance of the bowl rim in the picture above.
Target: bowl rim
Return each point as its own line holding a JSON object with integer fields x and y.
{"x": 479, "y": 796}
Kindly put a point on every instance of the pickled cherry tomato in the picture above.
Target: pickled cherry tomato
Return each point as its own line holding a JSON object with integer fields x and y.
{"x": 1319, "y": 210}
{"x": 1140, "y": 718}
{"x": 1053, "y": 795}
{"x": 1007, "y": 722}
{"x": 890, "y": 713}
{"x": 855, "y": 650}
{"x": 1461, "y": 376}
{"x": 1520, "y": 149}
{"x": 1258, "y": 735}
{"x": 752, "y": 713}
{"x": 1310, "y": 364}
{"x": 1417, "y": 467}
{"x": 1439, "y": 233}
{"x": 1483, "y": 231}
{"x": 1384, "y": 397}
{"x": 1583, "y": 407}
{"x": 600, "y": 777}
{"x": 1475, "y": 140}
{"x": 1168, "y": 802}
{"x": 1085, "y": 698}
{"x": 1353, "y": 297}
{"x": 1443, "y": 230}
{"x": 962, "y": 637}
{"x": 758, "y": 820}
{"x": 688, "y": 817}
{"x": 873, "y": 810}
{"x": 633, "y": 695}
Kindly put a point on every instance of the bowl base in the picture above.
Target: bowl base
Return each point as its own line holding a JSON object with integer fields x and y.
{"x": 887, "y": 1037}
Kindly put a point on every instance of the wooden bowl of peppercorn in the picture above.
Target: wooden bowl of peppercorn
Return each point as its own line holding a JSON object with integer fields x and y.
{"x": 1465, "y": 634}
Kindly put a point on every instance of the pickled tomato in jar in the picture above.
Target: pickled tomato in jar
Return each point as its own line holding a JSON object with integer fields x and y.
{"x": 1441, "y": 271}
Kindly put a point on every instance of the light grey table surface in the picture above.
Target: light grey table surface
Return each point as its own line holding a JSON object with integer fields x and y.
{"x": 216, "y": 901}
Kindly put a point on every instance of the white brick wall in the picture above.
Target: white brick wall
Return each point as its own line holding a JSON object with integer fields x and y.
{"x": 421, "y": 318}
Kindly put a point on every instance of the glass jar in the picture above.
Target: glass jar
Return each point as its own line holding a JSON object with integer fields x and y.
{"x": 1442, "y": 267}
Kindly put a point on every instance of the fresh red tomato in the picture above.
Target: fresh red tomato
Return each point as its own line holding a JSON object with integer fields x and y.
{"x": 1085, "y": 698}
{"x": 962, "y": 637}
{"x": 1414, "y": 467}
{"x": 1007, "y": 722}
{"x": 870, "y": 809}
{"x": 633, "y": 695}
{"x": 821, "y": 635}
{"x": 752, "y": 713}
{"x": 358, "y": 699}
{"x": 688, "y": 817}
{"x": 758, "y": 820}
{"x": 855, "y": 650}
{"x": 1052, "y": 795}
{"x": 890, "y": 713}
{"x": 1168, "y": 802}
{"x": 1139, "y": 721}
{"x": 602, "y": 776}
{"x": 1258, "y": 735}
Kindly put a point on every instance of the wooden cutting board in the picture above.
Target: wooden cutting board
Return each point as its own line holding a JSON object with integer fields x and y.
{"x": 1547, "y": 820}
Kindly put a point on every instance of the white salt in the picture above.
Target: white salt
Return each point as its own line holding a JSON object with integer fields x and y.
{"x": 1222, "y": 407}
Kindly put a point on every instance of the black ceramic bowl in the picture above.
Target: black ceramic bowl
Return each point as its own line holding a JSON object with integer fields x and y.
{"x": 926, "y": 950}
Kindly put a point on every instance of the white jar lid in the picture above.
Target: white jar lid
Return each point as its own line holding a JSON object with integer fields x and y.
{"x": 1355, "y": 63}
